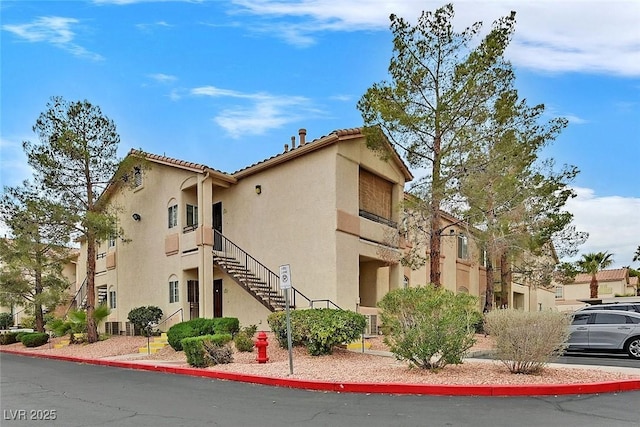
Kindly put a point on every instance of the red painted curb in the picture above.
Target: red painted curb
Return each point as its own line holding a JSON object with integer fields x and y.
{"x": 390, "y": 388}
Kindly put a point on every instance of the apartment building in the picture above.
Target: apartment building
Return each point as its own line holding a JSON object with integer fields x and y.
{"x": 204, "y": 243}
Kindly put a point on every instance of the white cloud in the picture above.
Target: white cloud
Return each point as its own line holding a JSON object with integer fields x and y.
{"x": 162, "y": 78}
{"x": 553, "y": 36}
{"x": 260, "y": 112}
{"x": 613, "y": 224}
{"x": 55, "y": 30}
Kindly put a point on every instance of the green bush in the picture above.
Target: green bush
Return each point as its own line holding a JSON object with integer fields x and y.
{"x": 178, "y": 332}
{"x": 6, "y": 320}
{"x": 142, "y": 317}
{"x": 199, "y": 327}
{"x": 199, "y": 349}
{"x": 525, "y": 341}
{"x": 319, "y": 330}
{"x": 244, "y": 339}
{"x": 28, "y": 322}
{"x": 34, "y": 339}
{"x": 429, "y": 327}
{"x": 20, "y": 334}
{"x": 8, "y": 338}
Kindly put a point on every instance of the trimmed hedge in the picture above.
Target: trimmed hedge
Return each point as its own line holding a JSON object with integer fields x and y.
{"x": 8, "y": 338}
{"x": 198, "y": 349}
{"x": 199, "y": 327}
{"x": 34, "y": 339}
{"x": 319, "y": 330}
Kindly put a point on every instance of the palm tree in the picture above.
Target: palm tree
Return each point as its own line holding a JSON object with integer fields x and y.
{"x": 636, "y": 256}
{"x": 591, "y": 264}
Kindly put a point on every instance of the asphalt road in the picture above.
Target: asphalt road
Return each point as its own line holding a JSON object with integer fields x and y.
{"x": 601, "y": 359}
{"x": 88, "y": 395}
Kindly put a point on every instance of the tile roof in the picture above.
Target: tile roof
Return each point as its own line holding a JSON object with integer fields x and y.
{"x": 332, "y": 137}
{"x": 604, "y": 276}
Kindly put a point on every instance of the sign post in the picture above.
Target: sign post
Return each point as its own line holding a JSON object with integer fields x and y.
{"x": 285, "y": 285}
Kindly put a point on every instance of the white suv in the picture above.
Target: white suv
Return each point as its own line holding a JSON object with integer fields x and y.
{"x": 608, "y": 330}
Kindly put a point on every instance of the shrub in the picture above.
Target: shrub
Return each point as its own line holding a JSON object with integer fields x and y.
{"x": 34, "y": 339}
{"x": 319, "y": 330}
{"x": 218, "y": 354}
{"x": 199, "y": 349}
{"x": 429, "y": 327}
{"x": 143, "y": 317}
{"x": 6, "y": 320}
{"x": 198, "y": 327}
{"x": 28, "y": 322}
{"x": 526, "y": 341}
{"x": 179, "y": 332}
{"x": 244, "y": 339}
{"x": 8, "y": 338}
{"x": 19, "y": 335}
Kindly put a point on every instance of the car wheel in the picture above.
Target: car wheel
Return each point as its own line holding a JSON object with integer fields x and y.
{"x": 633, "y": 348}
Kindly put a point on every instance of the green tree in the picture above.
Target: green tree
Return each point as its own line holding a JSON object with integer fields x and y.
{"x": 513, "y": 198}
{"x": 74, "y": 163}
{"x": 437, "y": 98}
{"x": 34, "y": 257}
{"x": 636, "y": 256}
{"x": 592, "y": 263}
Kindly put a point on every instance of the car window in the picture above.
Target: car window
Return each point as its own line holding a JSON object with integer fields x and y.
{"x": 580, "y": 319}
{"x": 634, "y": 320}
{"x": 610, "y": 319}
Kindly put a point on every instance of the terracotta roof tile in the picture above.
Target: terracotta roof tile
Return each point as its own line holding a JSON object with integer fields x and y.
{"x": 604, "y": 276}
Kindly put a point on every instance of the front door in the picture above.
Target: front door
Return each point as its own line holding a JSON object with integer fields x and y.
{"x": 217, "y": 298}
{"x": 193, "y": 297}
{"x": 217, "y": 225}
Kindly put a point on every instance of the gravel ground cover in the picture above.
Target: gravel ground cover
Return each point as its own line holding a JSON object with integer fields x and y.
{"x": 341, "y": 366}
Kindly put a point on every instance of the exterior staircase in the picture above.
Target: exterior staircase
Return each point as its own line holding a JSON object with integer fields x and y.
{"x": 156, "y": 343}
{"x": 254, "y": 277}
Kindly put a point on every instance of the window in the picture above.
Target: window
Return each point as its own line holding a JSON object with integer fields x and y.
{"x": 137, "y": 176}
{"x": 112, "y": 299}
{"x": 375, "y": 197}
{"x": 173, "y": 216}
{"x": 192, "y": 215}
{"x": 112, "y": 241}
{"x": 483, "y": 257}
{"x": 463, "y": 249}
{"x": 405, "y": 282}
{"x": 559, "y": 292}
{"x": 581, "y": 319}
{"x": 174, "y": 295}
{"x": 610, "y": 319}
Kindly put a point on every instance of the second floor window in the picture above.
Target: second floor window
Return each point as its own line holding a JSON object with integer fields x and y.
{"x": 192, "y": 215}
{"x": 112, "y": 241}
{"x": 559, "y": 292}
{"x": 173, "y": 216}
{"x": 463, "y": 247}
{"x": 137, "y": 177}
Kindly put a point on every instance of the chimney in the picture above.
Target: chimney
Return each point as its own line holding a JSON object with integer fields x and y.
{"x": 293, "y": 142}
{"x": 286, "y": 147}
{"x": 303, "y": 134}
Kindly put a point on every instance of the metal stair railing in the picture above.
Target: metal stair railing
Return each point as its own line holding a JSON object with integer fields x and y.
{"x": 79, "y": 298}
{"x": 235, "y": 261}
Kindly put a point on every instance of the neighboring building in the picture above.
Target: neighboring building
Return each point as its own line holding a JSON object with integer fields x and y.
{"x": 204, "y": 243}
{"x": 611, "y": 284}
{"x": 20, "y": 312}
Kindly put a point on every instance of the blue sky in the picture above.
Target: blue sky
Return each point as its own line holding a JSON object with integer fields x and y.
{"x": 227, "y": 83}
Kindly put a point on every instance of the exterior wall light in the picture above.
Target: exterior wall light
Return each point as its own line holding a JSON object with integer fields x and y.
{"x": 136, "y": 217}
{"x": 258, "y": 189}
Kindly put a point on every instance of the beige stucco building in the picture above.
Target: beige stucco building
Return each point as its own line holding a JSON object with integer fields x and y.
{"x": 204, "y": 243}
{"x": 612, "y": 284}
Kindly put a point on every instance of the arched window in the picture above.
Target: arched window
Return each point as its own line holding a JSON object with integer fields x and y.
{"x": 174, "y": 289}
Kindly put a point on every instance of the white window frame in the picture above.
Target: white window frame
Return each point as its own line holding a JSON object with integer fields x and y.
{"x": 463, "y": 246}
{"x": 559, "y": 292}
{"x": 137, "y": 177}
{"x": 192, "y": 217}
{"x": 174, "y": 291}
{"x": 113, "y": 299}
{"x": 172, "y": 212}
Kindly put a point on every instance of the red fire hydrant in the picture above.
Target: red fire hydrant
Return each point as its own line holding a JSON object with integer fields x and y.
{"x": 262, "y": 345}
